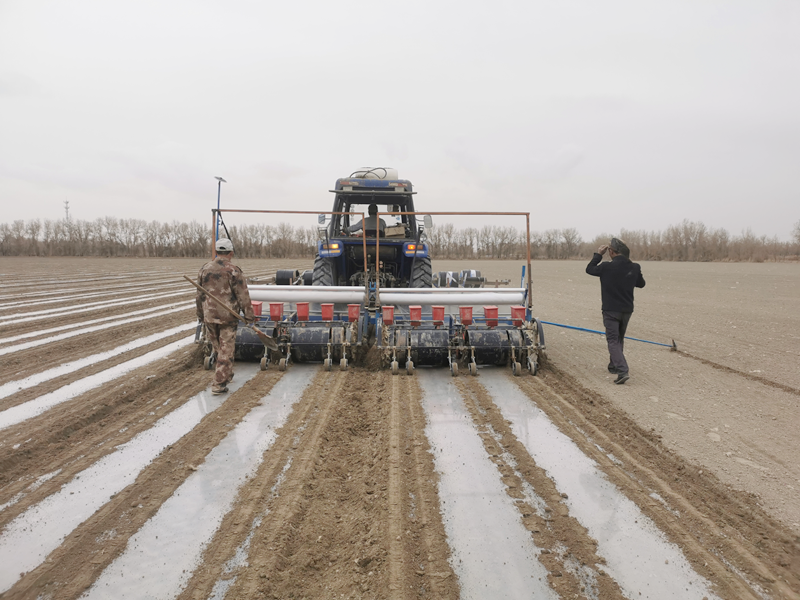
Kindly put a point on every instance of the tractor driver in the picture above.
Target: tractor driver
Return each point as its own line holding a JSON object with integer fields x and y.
{"x": 372, "y": 224}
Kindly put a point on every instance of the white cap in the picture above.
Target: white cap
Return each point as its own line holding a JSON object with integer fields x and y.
{"x": 224, "y": 245}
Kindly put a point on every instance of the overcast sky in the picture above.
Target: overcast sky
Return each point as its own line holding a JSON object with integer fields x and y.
{"x": 629, "y": 114}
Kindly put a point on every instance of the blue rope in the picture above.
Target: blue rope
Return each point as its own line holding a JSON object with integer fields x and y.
{"x": 672, "y": 345}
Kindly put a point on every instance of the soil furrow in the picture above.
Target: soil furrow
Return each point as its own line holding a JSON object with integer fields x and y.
{"x": 733, "y": 531}
{"x": 77, "y": 433}
{"x": 563, "y": 540}
{"x": 396, "y": 570}
{"x": 32, "y": 328}
{"x": 34, "y": 360}
{"x": 72, "y": 568}
{"x": 275, "y": 542}
{"x": 255, "y": 498}
{"x": 420, "y": 479}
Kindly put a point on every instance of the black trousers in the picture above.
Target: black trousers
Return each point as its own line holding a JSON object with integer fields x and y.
{"x": 616, "y": 323}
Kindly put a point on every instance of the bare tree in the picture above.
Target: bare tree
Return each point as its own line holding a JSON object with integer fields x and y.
{"x": 552, "y": 237}
{"x": 571, "y": 240}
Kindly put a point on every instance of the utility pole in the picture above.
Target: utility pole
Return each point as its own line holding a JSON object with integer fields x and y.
{"x": 220, "y": 181}
{"x": 66, "y": 209}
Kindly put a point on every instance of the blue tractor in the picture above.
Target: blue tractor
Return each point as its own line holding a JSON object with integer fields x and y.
{"x": 404, "y": 260}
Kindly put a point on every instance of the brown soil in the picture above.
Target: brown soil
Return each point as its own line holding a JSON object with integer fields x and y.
{"x": 345, "y": 501}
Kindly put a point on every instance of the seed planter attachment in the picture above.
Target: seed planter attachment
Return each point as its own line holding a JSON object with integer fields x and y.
{"x": 403, "y": 327}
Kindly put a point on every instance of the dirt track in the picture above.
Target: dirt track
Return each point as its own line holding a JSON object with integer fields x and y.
{"x": 315, "y": 484}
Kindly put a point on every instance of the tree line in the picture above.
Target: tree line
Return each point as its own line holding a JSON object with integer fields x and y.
{"x": 109, "y": 236}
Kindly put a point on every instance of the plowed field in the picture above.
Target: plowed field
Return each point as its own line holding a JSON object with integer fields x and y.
{"x": 121, "y": 476}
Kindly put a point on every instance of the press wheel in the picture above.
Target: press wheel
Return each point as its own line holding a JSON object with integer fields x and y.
{"x": 327, "y": 363}
{"x": 395, "y": 367}
{"x": 516, "y": 368}
{"x": 282, "y": 364}
{"x": 264, "y": 363}
{"x": 343, "y": 364}
{"x": 409, "y": 367}
{"x": 208, "y": 362}
{"x": 473, "y": 368}
{"x": 533, "y": 366}
{"x": 454, "y": 369}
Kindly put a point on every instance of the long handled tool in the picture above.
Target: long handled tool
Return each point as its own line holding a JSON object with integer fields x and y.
{"x": 672, "y": 346}
{"x": 267, "y": 340}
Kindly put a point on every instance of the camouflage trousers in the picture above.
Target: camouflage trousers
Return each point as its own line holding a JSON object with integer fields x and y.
{"x": 222, "y": 338}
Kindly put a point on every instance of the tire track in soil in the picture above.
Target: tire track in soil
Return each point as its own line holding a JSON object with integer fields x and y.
{"x": 716, "y": 527}
{"x": 318, "y": 514}
{"x": 90, "y": 548}
{"x": 568, "y": 552}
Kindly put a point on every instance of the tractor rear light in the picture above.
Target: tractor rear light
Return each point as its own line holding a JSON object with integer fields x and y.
{"x": 330, "y": 248}
{"x": 420, "y": 250}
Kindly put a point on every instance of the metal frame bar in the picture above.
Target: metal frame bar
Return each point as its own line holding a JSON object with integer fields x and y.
{"x": 527, "y": 216}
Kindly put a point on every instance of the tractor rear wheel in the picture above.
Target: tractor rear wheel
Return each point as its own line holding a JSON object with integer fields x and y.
{"x": 421, "y": 275}
{"x": 323, "y": 272}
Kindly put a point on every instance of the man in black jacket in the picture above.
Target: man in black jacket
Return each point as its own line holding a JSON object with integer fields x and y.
{"x": 618, "y": 277}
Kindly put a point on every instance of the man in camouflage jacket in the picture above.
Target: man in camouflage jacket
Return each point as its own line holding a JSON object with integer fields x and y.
{"x": 226, "y": 281}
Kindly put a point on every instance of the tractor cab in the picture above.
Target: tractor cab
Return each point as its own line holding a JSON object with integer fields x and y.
{"x": 396, "y": 253}
{"x": 357, "y": 195}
